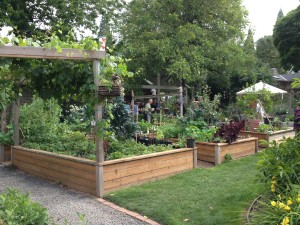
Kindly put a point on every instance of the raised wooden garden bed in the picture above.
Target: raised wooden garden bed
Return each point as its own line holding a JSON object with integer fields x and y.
{"x": 76, "y": 173}
{"x": 215, "y": 152}
{"x": 139, "y": 169}
{"x": 5, "y": 153}
{"x": 80, "y": 174}
{"x": 277, "y": 136}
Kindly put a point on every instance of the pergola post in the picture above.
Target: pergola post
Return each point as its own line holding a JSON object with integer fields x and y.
{"x": 16, "y": 122}
{"x": 3, "y": 125}
{"x": 99, "y": 141}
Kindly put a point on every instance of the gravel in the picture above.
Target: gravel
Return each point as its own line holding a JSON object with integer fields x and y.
{"x": 63, "y": 204}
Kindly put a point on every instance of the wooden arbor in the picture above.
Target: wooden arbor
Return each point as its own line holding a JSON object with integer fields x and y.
{"x": 65, "y": 54}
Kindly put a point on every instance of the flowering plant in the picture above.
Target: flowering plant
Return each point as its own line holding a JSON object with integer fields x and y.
{"x": 283, "y": 209}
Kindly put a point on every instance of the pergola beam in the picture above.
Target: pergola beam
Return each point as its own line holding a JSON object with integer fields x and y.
{"x": 159, "y": 87}
{"x": 70, "y": 54}
{"x": 49, "y": 53}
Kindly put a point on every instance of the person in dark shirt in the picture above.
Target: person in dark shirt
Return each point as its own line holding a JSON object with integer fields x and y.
{"x": 297, "y": 118}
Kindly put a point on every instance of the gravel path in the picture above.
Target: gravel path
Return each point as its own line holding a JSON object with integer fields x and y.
{"x": 63, "y": 204}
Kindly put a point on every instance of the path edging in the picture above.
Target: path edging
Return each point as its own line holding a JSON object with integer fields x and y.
{"x": 128, "y": 212}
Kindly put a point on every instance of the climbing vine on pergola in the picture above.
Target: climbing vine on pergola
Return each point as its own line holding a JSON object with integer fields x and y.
{"x": 53, "y": 50}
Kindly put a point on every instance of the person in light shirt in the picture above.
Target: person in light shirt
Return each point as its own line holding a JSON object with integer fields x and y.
{"x": 148, "y": 110}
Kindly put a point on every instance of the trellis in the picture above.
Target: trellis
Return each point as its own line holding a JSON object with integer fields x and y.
{"x": 64, "y": 54}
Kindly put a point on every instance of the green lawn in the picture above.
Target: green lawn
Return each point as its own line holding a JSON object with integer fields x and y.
{"x": 218, "y": 195}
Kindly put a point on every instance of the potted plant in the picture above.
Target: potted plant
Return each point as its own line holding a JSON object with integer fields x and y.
{"x": 191, "y": 133}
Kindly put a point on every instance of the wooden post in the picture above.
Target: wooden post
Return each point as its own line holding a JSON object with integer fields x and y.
{"x": 16, "y": 122}
{"x": 195, "y": 160}
{"x": 217, "y": 155}
{"x": 132, "y": 104}
{"x": 3, "y": 125}
{"x": 99, "y": 141}
{"x": 158, "y": 98}
{"x": 181, "y": 100}
{"x": 256, "y": 144}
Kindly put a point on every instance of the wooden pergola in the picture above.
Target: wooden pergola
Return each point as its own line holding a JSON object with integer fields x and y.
{"x": 65, "y": 54}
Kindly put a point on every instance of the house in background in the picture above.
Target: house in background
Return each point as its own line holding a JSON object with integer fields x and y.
{"x": 284, "y": 82}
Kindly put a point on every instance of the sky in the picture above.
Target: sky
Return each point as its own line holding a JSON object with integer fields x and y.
{"x": 263, "y": 14}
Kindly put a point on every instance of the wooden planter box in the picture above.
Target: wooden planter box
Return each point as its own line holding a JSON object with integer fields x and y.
{"x": 140, "y": 169}
{"x": 73, "y": 172}
{"x": 277, "y": 136}
{"x": 215, "y": 152}
{"x": 80, "y": 174}
{"x": 252, "y": 124}
{"x": 108, "y": 91}
{"x": 5, "y": 153}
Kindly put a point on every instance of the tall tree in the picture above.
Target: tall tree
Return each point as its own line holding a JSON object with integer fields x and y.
{"x": 182, "y": 39}
{"x": 38, "y": 18}
{"x": 280, "y": 15}
{"x": 286, "y": 36}
{"x": 267, "y": 53}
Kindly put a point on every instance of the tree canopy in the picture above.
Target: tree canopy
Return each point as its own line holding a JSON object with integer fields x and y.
{"x": 41, "y": 18}
{"x": 267, "y": 53}
{"x": 182, "y": 39}
{"x": 286, "y": 36}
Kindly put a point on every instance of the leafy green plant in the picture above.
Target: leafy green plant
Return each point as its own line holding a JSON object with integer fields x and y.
{"x": 41, "y": 129}
{"x": 121, "y": 123}
{"x": 170, "y": 130}
{"x": 16, "y": 208}
{"x": 144, "y": 126}
{"x": 280, "y": 163}
{"x": 228, "y": 158}
{"x": 128, "y": 148}
{"x": 7, "y": 138}
{"x": 264, "y": 128}
{"x": 276, "y": 123}
{"x": 39, "y": 120}
{"x": 207, "y": 106}
{"x": 206, "y": 135}
{"x": 192, "y": 132}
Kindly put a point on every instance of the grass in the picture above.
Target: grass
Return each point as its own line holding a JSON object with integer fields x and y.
{"x": 219, "y": 195}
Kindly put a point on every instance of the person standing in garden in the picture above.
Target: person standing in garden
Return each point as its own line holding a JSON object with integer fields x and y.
{"x": 148, "y": 110}
{"x": 297, "y": 119}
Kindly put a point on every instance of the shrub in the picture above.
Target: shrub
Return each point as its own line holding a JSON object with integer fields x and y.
{"x": 16, "y": 208}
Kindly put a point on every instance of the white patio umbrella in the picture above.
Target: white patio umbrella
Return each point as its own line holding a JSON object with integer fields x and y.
{"x": 260, "y": 86}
